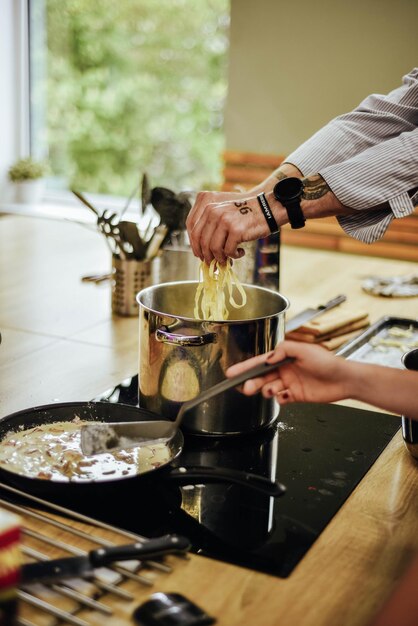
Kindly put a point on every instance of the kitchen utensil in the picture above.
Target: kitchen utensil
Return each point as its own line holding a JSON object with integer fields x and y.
{"x": 84, "y": 566}
{"x": 129, "y": 234}
{"x": 85, "y": 202}
{"x": 112, "y": 246}
{"x": 180, "y": 356}
{"x": 145, "y": 193}
{"x": 308, "y": 314}
{"x": 144, "y": 481}
{"x": 171, "y": 207}
{"x": 156, "y": 241}
{"x": 96, "y": 278}
{"x": 99, "y": 438}
{"x": 107, "y": 223}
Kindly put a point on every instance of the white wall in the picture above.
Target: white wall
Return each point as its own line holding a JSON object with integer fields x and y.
{"x": 295, "y": 65}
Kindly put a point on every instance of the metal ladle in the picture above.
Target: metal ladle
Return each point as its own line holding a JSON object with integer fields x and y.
{"x": 98, "y": 438}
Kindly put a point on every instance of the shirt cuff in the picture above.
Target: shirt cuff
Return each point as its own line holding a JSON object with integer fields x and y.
{"x": 367, "y": 226}
{"x": 401, "y": 205}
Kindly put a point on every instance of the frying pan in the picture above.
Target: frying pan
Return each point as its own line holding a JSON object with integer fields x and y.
{"x": 101, "y": 486}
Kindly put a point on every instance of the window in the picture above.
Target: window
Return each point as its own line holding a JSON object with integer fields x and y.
{"x": 122, "y": 88}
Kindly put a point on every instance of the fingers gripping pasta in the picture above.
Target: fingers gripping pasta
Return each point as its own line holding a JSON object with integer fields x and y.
{"x": 215, "y": 291}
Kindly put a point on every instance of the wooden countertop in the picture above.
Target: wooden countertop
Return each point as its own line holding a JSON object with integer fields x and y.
{"x": 60, "y": 342}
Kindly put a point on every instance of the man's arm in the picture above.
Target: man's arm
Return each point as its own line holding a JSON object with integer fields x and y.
{"x": 376, "y": 119}
{"x": 369, "y": 159}
{"x": 383, "y": 176}
{"x": 219, "y": 222}
{"x": 376, "y": 143}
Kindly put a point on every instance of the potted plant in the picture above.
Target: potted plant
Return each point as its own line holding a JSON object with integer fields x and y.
{"x": 27, "y": 176}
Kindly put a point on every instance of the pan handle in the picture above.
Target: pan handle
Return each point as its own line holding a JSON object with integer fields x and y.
{"x": 163, "y": 335}
{"x": 190, "y": 475}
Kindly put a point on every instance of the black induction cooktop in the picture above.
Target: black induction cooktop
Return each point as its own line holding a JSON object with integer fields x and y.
{"x": 320, "y": 452}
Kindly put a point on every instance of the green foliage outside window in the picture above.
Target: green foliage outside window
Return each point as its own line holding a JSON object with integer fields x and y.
{"x": 26, "y": 169}
{"x": 134, "y": 86}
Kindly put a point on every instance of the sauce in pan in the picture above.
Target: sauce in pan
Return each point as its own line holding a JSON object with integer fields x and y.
{"x": 52, "y": 452}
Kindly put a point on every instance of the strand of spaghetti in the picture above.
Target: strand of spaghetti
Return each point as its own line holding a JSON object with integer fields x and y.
{"x": 241, "y": 290}
{"x": 210, "y": 297}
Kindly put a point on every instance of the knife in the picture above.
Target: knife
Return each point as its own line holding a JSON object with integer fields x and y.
{"x": 308, "y": 314}
{"x": 84, "y": 566}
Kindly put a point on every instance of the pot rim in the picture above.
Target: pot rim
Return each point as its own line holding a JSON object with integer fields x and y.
{"x": 198, "y": 320}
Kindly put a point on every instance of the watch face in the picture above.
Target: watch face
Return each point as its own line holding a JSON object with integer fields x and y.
{"x": 288, "y": 188}
{"x": 289, "y": 192}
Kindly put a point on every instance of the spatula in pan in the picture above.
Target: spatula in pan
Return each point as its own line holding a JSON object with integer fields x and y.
{"x": 97, "y": 438}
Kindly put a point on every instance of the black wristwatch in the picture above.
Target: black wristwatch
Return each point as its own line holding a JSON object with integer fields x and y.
{"x": 289, "y": 192}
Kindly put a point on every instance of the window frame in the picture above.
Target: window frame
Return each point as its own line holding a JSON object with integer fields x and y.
{"x": 55, "y": 203}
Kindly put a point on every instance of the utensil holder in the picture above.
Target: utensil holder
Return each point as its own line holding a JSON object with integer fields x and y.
{"x": 129, "y": 276}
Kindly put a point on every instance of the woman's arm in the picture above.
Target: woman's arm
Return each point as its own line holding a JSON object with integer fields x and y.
{"x": 319, "y": 376}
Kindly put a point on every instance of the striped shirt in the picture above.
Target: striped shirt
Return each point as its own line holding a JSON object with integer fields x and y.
{"x": 369, "y": 157}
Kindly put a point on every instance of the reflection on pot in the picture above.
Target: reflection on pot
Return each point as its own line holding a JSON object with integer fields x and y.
{"x": 239, "y": 516}
{"x": 180, "y": 378}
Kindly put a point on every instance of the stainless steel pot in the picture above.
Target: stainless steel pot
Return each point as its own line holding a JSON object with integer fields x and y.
{"x": 179, "y": 356}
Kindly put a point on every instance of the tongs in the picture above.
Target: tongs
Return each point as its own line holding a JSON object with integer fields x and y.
{"x": 97, "y": 438}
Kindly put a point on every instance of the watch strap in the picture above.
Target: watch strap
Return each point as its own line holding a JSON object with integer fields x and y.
{"x": 294, "y": 213}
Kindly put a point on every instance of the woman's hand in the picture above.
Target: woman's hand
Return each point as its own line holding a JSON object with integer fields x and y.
{"x": 315, "y": 376}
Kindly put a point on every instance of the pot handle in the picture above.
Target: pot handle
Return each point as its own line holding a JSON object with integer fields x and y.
{"x": 189, "y": 476}
{"x": 165, "y": 336}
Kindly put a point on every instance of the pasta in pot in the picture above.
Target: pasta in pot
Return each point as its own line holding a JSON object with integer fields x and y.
{"x": 214, "y": 292}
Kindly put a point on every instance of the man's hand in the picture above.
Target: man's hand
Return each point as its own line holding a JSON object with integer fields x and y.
{"x": 220, "y": 221}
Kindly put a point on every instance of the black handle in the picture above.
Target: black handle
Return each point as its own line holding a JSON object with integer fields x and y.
{"x": 258, "y": 370}
{"x": 149, "y": 548}
{"x": 189, "y": 475}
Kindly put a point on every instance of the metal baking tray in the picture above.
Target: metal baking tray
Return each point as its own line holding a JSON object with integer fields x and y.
{"x": 384, "y": 342}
